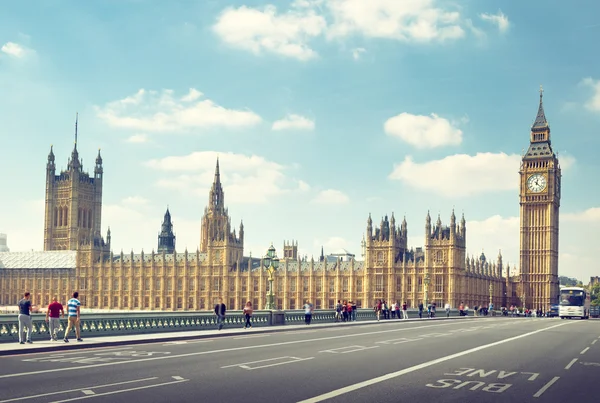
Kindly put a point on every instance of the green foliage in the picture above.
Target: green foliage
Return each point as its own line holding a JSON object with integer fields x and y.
{"x": 568, "y": 281}
{"x": 595, "y": 294}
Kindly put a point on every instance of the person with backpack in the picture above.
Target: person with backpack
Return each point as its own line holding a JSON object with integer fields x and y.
{"x": 338, "y": 311}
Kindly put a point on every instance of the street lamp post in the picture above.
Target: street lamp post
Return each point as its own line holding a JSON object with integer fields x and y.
{"x": 491, "y": 292}
{"x": 427, "y": 279}
{"x": 523, "y": 300}
{"x": 271, "y": 263}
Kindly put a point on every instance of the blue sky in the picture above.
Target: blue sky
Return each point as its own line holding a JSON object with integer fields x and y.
{"x": 321, "y": 112}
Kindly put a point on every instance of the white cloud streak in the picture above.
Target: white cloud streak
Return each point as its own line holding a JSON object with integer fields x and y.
{"x": 423, "y": 131}
{"x": 151, "y": 111}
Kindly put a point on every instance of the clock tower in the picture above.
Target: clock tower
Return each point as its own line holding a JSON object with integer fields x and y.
{"x": 540, "y": 177}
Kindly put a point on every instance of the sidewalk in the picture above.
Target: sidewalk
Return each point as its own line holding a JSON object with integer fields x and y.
{"x": 15, "y": 348}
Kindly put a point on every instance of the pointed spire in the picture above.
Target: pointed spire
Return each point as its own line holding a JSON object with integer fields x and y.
{"x": 217, "y": 173}
{"x": 51, "y": 154}
{"x": 540, "y": 119}
{"x": 76, "y": 121}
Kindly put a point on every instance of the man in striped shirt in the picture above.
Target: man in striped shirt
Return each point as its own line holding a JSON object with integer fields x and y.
{"x": 74, "y": 313}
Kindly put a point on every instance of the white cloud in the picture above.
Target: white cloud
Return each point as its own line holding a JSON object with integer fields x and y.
{"x": 419, "y": 21}
{"x": 423, "y": 131}
{"x": 265, "y": 30}
{"x": 357, "y": 52}
{"x": 499, "y": 19}
{"x": 14, "y": 50}
{"x": 152, "y": 111}
{"x": 593, "y": 104}
{"x": 461, "y": 175}
{"x": 334, "y": 244}
{"x": 289, "y": 33}
{"x": 293, "y": 121}
{"x": 587, "y": 216}
{"x": 493, "y": 234}
{"x": 138, "y": 138}
{"x": 248, "y": 178}
{"x": 331, "y": 196}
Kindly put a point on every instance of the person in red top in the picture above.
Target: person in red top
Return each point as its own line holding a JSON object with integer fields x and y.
{"x": 55, "y": 309}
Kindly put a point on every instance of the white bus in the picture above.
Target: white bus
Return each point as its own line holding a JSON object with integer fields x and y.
{"x": 574, "y": 303}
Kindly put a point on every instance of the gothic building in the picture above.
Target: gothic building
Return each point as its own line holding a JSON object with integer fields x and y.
{"x": 76, "y": 257}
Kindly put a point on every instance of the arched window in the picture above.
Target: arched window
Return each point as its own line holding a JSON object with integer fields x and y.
{"x": 89, "y": 218}
{"x": 79, "y": 218}
{"x": 56, "y": 216}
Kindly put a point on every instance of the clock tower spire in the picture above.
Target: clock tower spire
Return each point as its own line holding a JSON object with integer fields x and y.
{"x": 540, "y": 177}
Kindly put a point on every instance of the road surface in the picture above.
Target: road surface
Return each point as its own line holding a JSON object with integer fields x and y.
{"x": 473, "y": 360}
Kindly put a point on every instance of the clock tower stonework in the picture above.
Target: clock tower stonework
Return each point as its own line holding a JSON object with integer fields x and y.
{"x": 540, "y": 177}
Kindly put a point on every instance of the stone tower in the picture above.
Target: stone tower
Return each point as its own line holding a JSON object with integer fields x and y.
{"x": 445, "y": 248}
{"x": 73, "y": 209}
{"x": 166, "y": 238}
{"x": 540, "y": 202}
{"x": 290, "y": 250}
{"x": 217, "y": 238}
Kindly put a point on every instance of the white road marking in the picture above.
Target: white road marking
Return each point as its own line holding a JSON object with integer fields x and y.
{"x": 594, "y": 342}
{"x": 88, "y": 392}
{"x": 179, "y": 378}
{"x": 398, "y": 341}
{"x": 227, "y": 350}
{"x": 172, "y": 343}
{"x": 573, "y": 361}
{"x": 364, "y": 384}
{"x": 83, "y": 351}
{"x": 584, "y": 350}
{"x": 77, "y": 390}
{"x": 546, "y": 386}
{"x": 347, "y": 349}
{"x": 251, "y": 336}
{"x": 246, "y": 365}
{"x": 121, "y": 391}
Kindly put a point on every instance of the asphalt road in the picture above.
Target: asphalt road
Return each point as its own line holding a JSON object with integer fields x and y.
{"x": 472, "y": 360}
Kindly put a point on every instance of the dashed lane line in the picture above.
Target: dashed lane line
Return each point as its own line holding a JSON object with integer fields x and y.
{"x": 546, "y": 386}
{"x": 584, "y": 350}
{"x": 573, "y": 361}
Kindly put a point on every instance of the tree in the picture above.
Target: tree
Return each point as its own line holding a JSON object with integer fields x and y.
{"x": 595, "y": 294}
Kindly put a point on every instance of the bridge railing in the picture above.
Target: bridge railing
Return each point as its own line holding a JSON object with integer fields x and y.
{"x": 114, "y": 324}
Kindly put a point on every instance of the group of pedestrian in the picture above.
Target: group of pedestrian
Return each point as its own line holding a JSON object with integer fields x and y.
{"x": 53, "y": 314}
{"x": 345, "y": 312}
{"x": 393, "y": 310}
{"x": 221, "y": 310}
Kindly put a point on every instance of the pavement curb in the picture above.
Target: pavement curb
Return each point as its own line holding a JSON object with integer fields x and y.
{"x": 272, "y": 329}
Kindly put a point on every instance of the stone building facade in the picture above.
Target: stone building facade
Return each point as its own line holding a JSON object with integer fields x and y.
{"x": 76, "y": 257}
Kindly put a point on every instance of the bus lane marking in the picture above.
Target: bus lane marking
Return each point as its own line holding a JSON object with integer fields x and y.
{"x": 88, "y": 388}
{"x": 487, "y": 385}
{"x": 347, "y": 349}
{"x": 370, "y": 382}
{"x": 546, "y": 386}
{"x": 250, "y": 365}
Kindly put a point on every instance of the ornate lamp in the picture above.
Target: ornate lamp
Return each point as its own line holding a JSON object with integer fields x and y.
{"x": 271, "y": 263}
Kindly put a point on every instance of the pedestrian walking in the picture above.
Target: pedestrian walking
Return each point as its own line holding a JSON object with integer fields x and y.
{"x": 25, "y": 318}
{"x": 248, "y": 314}
{"x": 55, "y": 309}
{"x": 420, "y": 310}
{"x": 404, "y": 310}
{"x": 308, "y": 310}
{"x": 74, "y": 312}
{"x": 220, "y": 310}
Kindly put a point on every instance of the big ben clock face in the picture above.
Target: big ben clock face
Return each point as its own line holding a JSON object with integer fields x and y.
{"x": 536, "y": 183}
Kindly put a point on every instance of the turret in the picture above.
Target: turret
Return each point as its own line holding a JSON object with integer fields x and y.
{"x": 404, "y": 228}
{"x": 166, "y": 237}
{"x": 50, "y": 166}
{"x": 98, "y": 168}
{"x": 369, "y": 227}
{"x": 463, "y": 227}
{"x": 242, "y": 231}
{"x": 74, "y": 163}
{"x": 428, "y": 224}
